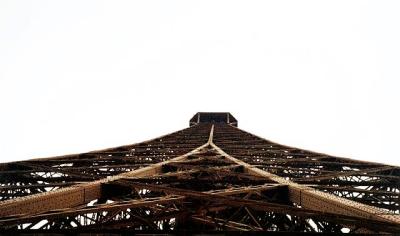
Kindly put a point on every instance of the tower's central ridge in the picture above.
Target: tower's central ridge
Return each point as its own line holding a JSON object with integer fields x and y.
{"x": 213, "y": 117}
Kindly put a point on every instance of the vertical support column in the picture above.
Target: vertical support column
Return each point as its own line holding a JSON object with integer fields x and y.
{"x": 313, "y": 199}
{"x": 76, "y": 195}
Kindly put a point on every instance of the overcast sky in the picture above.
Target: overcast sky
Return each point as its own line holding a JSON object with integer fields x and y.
{"x": 82, "y": 75}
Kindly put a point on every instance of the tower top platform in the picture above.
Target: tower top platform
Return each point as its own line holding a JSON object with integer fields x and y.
{"x": 213, "y": 117}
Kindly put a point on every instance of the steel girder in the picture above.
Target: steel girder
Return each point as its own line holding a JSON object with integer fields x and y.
{"x": 209, "y": 177}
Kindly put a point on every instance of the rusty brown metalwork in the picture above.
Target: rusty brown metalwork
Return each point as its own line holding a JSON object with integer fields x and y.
{"x": 209, "y": 177}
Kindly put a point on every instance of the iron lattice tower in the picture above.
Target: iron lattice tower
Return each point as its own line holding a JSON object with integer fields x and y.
{"x": 209, "y": 177}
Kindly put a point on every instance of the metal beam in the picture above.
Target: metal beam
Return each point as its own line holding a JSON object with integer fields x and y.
{"x": 310, "y": 198}
{"x": 75, "y": 195}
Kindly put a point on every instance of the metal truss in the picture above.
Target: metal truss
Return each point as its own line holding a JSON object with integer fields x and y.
{"x": 210, "y": 177}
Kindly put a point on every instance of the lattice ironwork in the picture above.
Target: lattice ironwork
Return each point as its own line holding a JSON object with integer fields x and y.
{"x": 208, "y": 178}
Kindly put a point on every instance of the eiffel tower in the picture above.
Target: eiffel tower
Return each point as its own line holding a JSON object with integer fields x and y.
{"x": 209, "y": 178}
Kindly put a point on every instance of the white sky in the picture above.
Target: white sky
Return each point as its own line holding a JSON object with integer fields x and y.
{"x": 82, "y": 75}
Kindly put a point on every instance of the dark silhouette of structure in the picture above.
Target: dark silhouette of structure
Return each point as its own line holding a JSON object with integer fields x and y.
{"x": 209, "y": 177}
